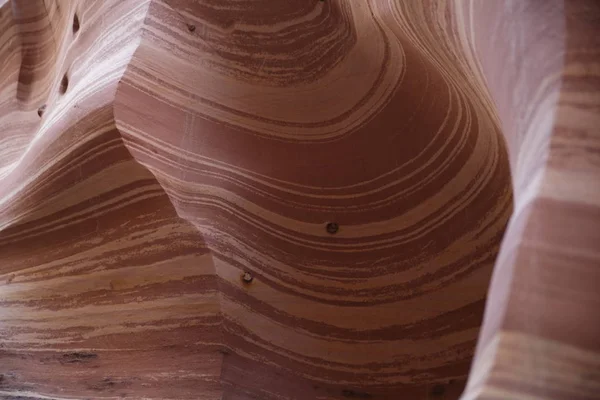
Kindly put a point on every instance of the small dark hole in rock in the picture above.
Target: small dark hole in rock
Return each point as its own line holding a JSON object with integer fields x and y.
{"x": 353, "y": 394}
{"x": 78, "y": 357}
{"x": 332, "y": 228}
{"x": 75, "y": 23}
{"x": 438, "y": 390}
{"x": 109, "y": 382}
{"x": 41, "y": 110}
{"x": 191, "y": 27}
{"x": 64, "y": 84}
{"x": 247, "y": 277}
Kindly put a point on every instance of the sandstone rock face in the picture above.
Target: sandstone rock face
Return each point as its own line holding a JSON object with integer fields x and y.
{"x": 304, "y": 199}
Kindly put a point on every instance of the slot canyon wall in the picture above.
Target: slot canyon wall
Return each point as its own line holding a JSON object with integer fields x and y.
{"x": 303, "y": 199}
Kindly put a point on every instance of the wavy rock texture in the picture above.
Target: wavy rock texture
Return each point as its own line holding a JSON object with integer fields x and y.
{"x": 153, "y": 152}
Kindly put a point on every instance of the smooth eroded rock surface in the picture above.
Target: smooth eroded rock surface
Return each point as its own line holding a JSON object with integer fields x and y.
{"x": 304, "y": 199}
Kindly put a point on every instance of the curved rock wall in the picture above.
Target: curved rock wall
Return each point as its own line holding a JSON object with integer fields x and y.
{"x": 541, "y": 333}
{"x": 297, "y": 200}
